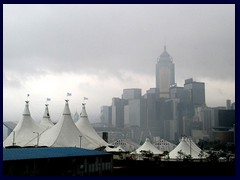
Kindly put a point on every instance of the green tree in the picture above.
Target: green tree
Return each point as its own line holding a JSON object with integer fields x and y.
{"x": 180, "y": 155}
{"x": 200, "y": 155}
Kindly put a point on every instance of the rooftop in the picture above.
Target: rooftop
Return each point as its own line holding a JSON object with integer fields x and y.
{"x": 41, "y": 153}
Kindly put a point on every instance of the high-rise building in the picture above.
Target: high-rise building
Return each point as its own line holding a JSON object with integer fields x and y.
{"x": 170, "y": 120}
{"x": 132, "y": 112}
{"x": 132, "y": 109}
{"x": 118, "y": 112}
{"x": 176, "y": 92}
{"x": 106, "y": 115}
{"x": 165, "y": 73}
{"x": 195, "y": 92}
{"x": 133, "y": 93}
{"x": 152, "y": 121}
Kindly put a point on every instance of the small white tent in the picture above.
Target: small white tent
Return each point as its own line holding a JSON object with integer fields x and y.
{"x": 147, "y": 146}
{"x": 87, "y": 130}
{"x": 115, "y": 149}
{"x": 187, "y": 147}
{"x": 26, "y": 133}
{"x": 65, "y": 134}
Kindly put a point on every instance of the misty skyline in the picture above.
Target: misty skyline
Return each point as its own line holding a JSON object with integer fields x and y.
{"x": 96, "y": 51}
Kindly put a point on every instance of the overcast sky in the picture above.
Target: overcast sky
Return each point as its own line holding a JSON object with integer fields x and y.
{"x": 96, "y": 51}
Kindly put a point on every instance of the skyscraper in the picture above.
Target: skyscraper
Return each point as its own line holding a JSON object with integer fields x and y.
{"x": 165, "y": 73}
{"x": 133, "y": 93}
{"x": 106, "y": 115}
{"x": 118, "y": 112}
{"x": 195, "y": 92}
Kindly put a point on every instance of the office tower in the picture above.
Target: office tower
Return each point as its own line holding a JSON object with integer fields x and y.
{"x": 106, "y": 115}
{"x": 133, "y": 93}
{"x": 195, "y": 92}
{"x": 118, "y": 112}
{"x": 176, "y": 92}
{"x": 165, "y": 73}
{"x": 132, "y": 110}
{"x": 170, "y": 121}
{"x": 151, "y": 124}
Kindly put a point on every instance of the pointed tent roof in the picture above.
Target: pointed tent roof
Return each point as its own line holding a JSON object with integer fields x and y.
{"x": 86, "y": 128}
{"x": 147, "y": 146}
{"x": 46, "y": 120}
{"x": 185, "y": 145}
{"x": 23, "y": 134}
{"x": 65, "y": 134}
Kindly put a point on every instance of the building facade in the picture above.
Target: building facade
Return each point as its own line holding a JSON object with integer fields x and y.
{"x": 118, "y": 112}
{"x": 165, "y": 73}
{"x": 106, "y": 115}
{"x": 133, "y": 93}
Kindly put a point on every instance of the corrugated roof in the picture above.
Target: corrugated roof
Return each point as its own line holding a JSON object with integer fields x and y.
{"x": 41, "y": 153}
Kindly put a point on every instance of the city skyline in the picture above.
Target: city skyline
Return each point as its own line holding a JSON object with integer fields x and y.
{"x": 96, "y": 51}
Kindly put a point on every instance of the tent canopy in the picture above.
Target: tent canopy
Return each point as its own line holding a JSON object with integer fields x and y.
{"x": 87, "y": 130}
{"x": 26, "y": 131}
{"x": 187, "y": 147}
{"x": 66, "y": 134}
{"x": 147, "y": 146}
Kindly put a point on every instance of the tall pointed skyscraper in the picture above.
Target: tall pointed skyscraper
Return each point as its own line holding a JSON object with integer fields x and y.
{"x": 165, "y": 73}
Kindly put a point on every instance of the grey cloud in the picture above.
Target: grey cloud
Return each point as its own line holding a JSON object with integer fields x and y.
{"x": 89, "y": 38}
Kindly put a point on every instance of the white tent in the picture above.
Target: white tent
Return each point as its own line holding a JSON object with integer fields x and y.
{"x": 116, "y": 149}
{"x": 147, "y": 146}
{"x": 46, "y": 120}
{"x": 26, "y": 133}
{"x": 65, "y": 134}
{"x": 87, "y": 130}
{"x": 188, "y": 147}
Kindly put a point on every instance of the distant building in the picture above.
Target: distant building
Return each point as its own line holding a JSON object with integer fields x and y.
{"x": 217, "y": 124}
{"x": 134, "y": 93}
{"x": 225, "y": 118}
{"x": 165, "y": 73}
{"x": 228, "y": 104}
{"x": 132, "y": 113}
{"x": 195, "y": 92}
{"x": 176, "y": 92}
{"x": 133, "y": 107}
{"x": 168, "y": 111}
{"x": 118, "y": 112}
{"x": 106, "y": 115}
{"x": 152, "y": 123}
{"x": 171, "y": 120}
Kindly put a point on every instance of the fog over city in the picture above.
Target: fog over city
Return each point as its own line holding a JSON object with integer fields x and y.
{"x": 96, "y": 51}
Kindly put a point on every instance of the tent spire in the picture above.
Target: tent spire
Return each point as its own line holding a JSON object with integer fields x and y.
{"x": 66, "y": 110}
{"x": 28, "y": 96}
{"x": 26, "y": 111}
{"x": 84, "y": 112}
{"x": 46, "y": 112}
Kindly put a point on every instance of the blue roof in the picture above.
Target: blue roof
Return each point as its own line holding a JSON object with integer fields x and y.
{"x": 39, "y": 153}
